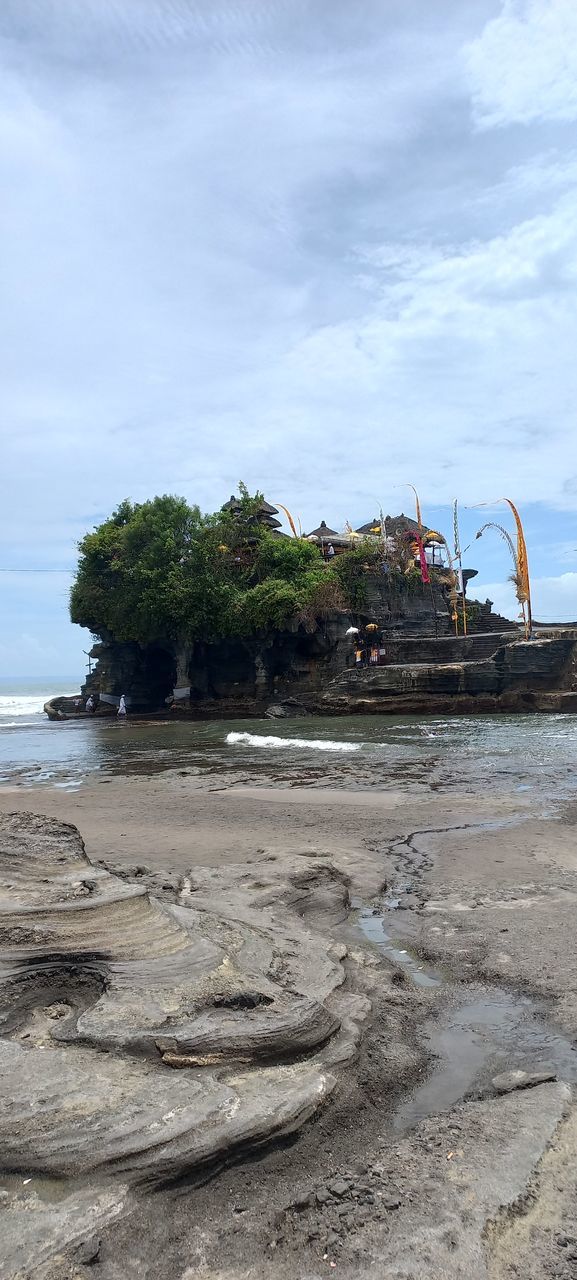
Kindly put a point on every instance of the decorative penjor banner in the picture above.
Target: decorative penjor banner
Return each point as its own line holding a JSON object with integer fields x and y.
{"x": 423, "y": 561}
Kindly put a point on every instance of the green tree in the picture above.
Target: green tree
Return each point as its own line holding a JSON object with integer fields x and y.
{"x": 286, "y": 558}
{"x": 150, "y": 570}
{"x": 162, "y": 571}
{"x": 351, "y": 569}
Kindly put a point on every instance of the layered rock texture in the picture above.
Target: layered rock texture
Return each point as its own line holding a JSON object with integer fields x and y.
{"x": 477, "y": 673}
{"x": 142, "y": 1039}
{"x": 295, "y": 673}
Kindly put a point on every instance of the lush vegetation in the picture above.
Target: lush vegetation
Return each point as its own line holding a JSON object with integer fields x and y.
{"x": 162, "y": 570}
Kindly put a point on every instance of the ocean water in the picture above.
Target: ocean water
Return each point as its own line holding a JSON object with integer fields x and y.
{"x": 535, "y": 753}
{"x": 22, "y": 701}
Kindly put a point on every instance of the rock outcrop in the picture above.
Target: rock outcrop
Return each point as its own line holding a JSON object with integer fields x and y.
{"x": 296, "y": 672}
{"x": 513, "y": 675}
{"x": 105, "y": 989}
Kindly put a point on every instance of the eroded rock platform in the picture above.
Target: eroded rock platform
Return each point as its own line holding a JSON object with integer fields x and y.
{"x": 105, "y": 990}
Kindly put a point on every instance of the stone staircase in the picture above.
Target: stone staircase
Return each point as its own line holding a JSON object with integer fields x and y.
{"x": 495, "y": 622}
{"x": 428, "y": 650}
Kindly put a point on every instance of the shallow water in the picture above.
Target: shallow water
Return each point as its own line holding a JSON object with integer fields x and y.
{"x": 372, "y": 925}
{"x": 513, "y": 752}
{"x": 490, "y": 1031}
{"x": 485, "y": 1031}
{"x": 28, "y": 1186}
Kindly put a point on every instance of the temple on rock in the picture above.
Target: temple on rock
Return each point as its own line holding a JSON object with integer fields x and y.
{"x": 367, "y": 619}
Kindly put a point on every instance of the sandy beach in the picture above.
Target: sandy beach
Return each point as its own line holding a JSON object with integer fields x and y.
{"x": 165, "y": 821}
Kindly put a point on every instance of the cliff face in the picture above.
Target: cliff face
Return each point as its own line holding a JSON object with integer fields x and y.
{"x": 296, "y": 672}
{"x": 243, "y": 676}
{"x": 536, "y": 674}
{"x": 226, "y": 678}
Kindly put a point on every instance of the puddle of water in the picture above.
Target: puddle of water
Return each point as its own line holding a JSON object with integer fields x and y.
{"x": 373, "y": 928}
{"x": 25, "y": 1185}
{"x": 490, "y": 1032}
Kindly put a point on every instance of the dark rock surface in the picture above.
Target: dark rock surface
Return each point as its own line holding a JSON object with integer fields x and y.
{"x": 516, "y": 675}
{"x": 296, "y": 673}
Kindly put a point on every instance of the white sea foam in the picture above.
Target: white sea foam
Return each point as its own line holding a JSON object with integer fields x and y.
{"x": 306, "y": 744}
{"x": 25, "y": 704}
{"x": 16, "y": 704}
{"x": 18, "y": 724}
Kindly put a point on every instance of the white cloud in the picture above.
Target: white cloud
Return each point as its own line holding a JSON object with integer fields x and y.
{"x": 265, "y": 241}
{"x": 553, "y": 599}
{"x": 467, "y": 351}
{"x": 523, "y": 66}
{"x": 543, "y": 174}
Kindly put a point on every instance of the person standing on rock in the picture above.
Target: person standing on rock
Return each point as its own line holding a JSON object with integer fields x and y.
{"x": 122, "y": 707}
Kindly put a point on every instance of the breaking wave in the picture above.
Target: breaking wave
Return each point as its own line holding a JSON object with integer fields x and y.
{"x": 22, "y": 704}
{"x": 18, "y": 724}
{"x": 307, "y": 744}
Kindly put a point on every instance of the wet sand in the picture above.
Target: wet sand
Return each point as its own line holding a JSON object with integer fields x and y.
{"x": 165, "y": 820}
{"x": 492, "y": 877}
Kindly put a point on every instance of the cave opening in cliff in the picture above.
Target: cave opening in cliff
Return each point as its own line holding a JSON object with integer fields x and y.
{"x": 159, "y": 675}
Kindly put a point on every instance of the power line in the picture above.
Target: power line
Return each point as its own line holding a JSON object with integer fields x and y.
{"x": 36, "y": 570}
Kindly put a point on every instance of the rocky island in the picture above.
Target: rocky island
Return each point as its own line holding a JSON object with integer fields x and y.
{"x": 224, "y": 615}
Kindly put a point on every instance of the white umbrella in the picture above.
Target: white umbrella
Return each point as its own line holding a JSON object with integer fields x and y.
{"x": 352, "y": 631}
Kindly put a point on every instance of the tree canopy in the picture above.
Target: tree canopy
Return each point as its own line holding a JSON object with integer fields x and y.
{"x": 161, "y": 570}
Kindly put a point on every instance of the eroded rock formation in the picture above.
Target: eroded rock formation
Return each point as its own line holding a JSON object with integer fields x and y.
{"x": 105, "y": 989}
{"x": 294, "y": 674}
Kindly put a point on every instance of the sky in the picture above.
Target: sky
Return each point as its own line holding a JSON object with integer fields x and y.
{"x": 327, "y": 248}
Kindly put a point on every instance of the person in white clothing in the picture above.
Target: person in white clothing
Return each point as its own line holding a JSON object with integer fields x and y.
{"x": 122, "y": 706}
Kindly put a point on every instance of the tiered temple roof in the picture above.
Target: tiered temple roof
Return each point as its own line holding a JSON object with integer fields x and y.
{"x": 394, "y": 525}
{"x": 265, "y": 515}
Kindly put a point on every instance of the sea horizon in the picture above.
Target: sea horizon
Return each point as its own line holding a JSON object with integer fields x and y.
{"x": 23, "y": 697}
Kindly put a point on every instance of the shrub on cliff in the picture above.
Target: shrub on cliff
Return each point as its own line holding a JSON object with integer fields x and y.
{"x": 152, "y": 569}
{"x": 161, "y": 570}
{"x": 286, "y": 558}
{"x": 267, "y": 606}
{"x": 351, "y": 569}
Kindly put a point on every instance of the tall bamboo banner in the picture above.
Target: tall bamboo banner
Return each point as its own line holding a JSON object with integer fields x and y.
{"x": 417, "y": 506}
{"x": 439, "y": 537}
{"x": 289, "y": 518}
{"x": 425, "y": 576}
{"x": 459, "y": 559}
{"x": 523, "y": 567}
{"x": 520, "y": 575}
{"x": 506, "y": 537}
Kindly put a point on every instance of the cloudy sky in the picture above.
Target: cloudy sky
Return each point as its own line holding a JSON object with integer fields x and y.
{"x": 326, "y": 247}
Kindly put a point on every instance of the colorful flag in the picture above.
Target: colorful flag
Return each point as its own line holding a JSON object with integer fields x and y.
{"x": 423, "y": 561}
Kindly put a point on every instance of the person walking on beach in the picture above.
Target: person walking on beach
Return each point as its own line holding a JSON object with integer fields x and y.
{"x": 122, "y": 707}
{"x": 90, "y": 703}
